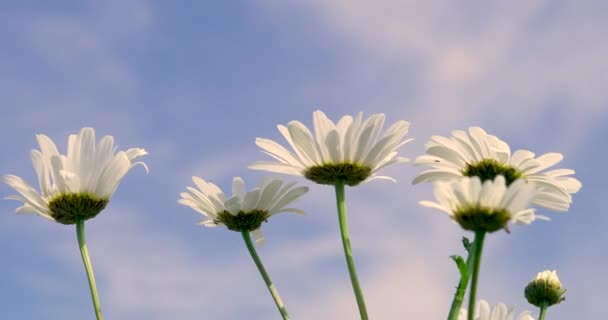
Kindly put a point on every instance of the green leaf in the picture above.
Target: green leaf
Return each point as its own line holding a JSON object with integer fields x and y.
{"x": 462, "y": 266}
{"x": 467, "y": 244}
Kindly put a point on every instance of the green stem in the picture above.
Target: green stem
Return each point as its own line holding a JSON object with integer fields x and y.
{"x": 477, "y": 249}
{"x": 258, "y": 263}
{"x": 348, "y": 252}
{"x": 84, "y": 252}
{"x": 460, "y": 290}
{"x": 543, "y": 310}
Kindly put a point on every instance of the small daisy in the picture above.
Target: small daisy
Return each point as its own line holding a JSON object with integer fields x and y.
{"x": 500, "y": 312}
{"x": 477, "y": 153}
{"x": 244, "y": 210}
{"x": 352, "y": 150}
{"x": 486, "y": 206}
{"x": 77, "y": 185}
{"x": 545, "y": 290}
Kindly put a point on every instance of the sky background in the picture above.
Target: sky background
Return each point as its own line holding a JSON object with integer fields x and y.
{"x": 194, "y": 83}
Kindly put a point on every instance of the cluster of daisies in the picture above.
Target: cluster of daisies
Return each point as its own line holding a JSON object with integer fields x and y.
{"x": 478, "y": 182}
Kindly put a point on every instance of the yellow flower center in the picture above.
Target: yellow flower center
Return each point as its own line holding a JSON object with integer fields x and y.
{"x": 70, "y": 207}
{"x": 477, "y": 218}
{"x": 351, "y": 173}
{"x": 488, "y": 169}
{"x": 243, "y": 220}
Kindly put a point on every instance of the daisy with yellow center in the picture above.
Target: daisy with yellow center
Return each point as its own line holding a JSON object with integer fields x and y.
{"x": 477, "y": 153}
{"x": 244, "y": 212}
{"x": 482, "y": 208}
{"x": 348, "y": 152}
{"x": 76, "y": 186}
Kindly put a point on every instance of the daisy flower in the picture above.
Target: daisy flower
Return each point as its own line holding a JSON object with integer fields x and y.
{"x": 77, "y": 185}
{"x": 499, "y": 312}
{"x": 477, "y": 153}
{"x": 484, "y": 206}
{"x": 244, "y": 210}
{"x": 352, "y": 150}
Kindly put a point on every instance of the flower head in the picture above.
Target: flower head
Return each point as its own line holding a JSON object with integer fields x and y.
{"x": 479, "y": 154}
{"x": 77, "y": 185}
{"x": 244, "y": 210}
{"x": 500, "y": 312}
{"x": 545, "y": 289}
{"x": 486, "y": 206}
{"x": 352, "y": 150}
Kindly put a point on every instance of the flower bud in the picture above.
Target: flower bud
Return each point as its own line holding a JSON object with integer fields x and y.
{"x": 545, "y": 290}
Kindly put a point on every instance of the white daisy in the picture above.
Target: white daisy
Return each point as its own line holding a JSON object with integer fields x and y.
{"x": 352, "y": 150}
{"x": 244, "y": 210}
{"x": 77, "y": 185}
{"x": 500, "y": 312}
{"x": 545, "y": 289}
{"x": 486, "y": 206}
{"x": 477, "y": 153}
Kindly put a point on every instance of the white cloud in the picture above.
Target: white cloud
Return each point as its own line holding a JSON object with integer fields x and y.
{"x": 480, "y": 63}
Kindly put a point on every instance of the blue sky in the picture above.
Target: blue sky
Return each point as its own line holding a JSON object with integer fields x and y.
{"x": 196, "y": 83}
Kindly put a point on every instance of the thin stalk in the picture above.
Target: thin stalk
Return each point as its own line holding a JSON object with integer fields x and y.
{"x": 543, "y": 311}
{"x": 461, "y": 289}
{"x": 84, "y": 252}
{"x": 269, "y": 284}
{"x": 477, "y": 249}
{"x": 348, "y": 252}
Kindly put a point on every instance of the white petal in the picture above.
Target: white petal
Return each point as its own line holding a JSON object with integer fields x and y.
{"x": 207, "y": 204}
{"x": 288, "y": 198}
{"x": 293, "y": 210}
{"x": 287, "y": 135}
{"x": 304, "y": 141}
{"x": 375, "y": 177}
{"x": 332, "y": 142}
{"x": 47, "y": 146}
{"x": 350, "y": 137}
{"x": 466, "y": 145}
{"x": 435, "y": 205}
{"x": 444, "y": 155}
{"x": 267, "y": 199}
{"x": 135, "y": 153}
{"x": 478, "y": 138}
{"x": 277, "y": 167}
{"x": 322, "y": 126}
{"x": 560, "y": 172}
{"x": 87, "y": 159}
{"x": 112, "y": 175}
{"x": 233, "y": 205}
{"x": 258, "y": 237}
{"x": 385, "y": 163}
{"x": 251, "y": 200}
{"x": 547, "y": 160}
{"x": 238, "y": 188}
{"x": 450, "y": 145}
{"x": 208, "y": 188}
{"x": 436, "y": 175}
{"x": 524, "y": 217}
{"x": 210, "y": 223}
{"x": 278, "y": 152}
{"x": 30, "y": 196}
{"x": 368, "y": 136}
{"x": 520, "y": 156}
{"x": 42, "y": 171}
{"x": 56, "y": 167}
